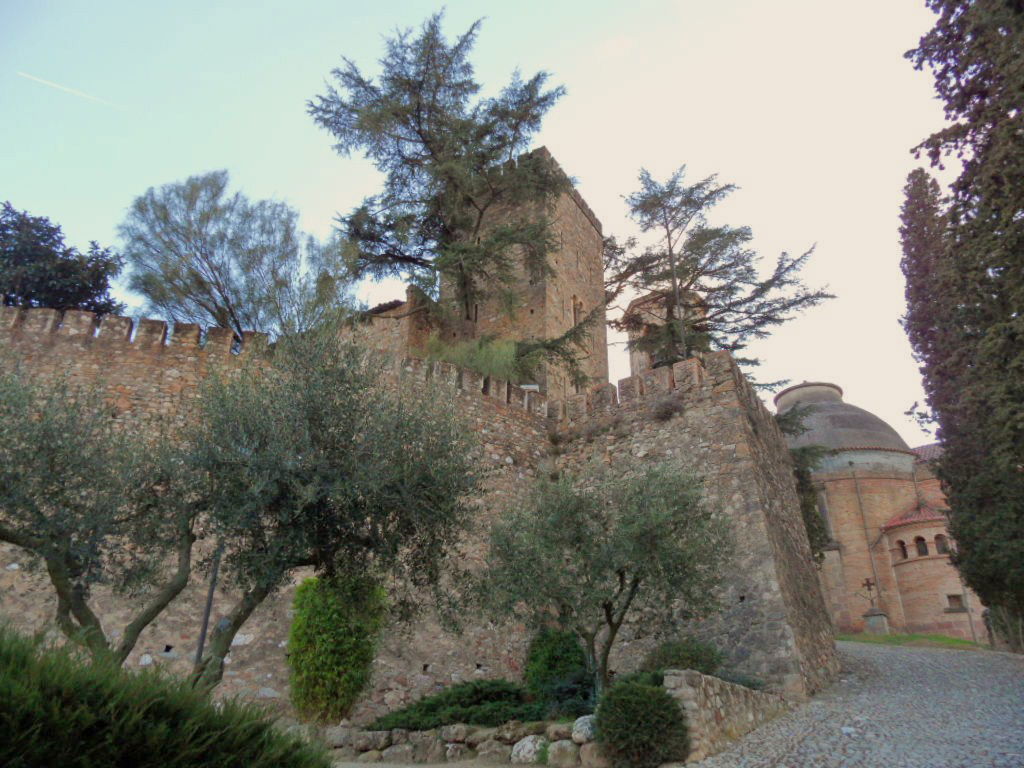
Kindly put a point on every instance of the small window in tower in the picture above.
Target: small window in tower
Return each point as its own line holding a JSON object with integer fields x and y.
{"x": 476, "y": 312}
{"x": 955, "y": 602}
{"x": 941, "y": 545}
{"x": 903, "y": 549}
{"x": 922, "y": 546}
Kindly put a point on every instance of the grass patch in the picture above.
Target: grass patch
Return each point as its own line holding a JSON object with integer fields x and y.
{"x": 920, "y": 641}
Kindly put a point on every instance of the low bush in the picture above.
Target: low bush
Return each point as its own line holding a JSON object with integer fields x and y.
{"x": 655, "y": 677}
{"x": 481, "y": 702}
{"x": 641, "y": 726}
{"x": 56, "y": 710}
{"x": 556, "y": 673}
{"x": 332, "y": 643}
{"x": 684, "y": 653}
{"x": 739, "y": 678}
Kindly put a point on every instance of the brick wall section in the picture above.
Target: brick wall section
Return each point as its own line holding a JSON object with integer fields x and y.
{"x": 717, "y": 712}
{"x": 767, "y": 631}
{"x": 773, "y": 623}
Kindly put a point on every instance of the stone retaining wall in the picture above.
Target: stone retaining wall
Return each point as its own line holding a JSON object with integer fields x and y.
{"x": 717, "y": 712}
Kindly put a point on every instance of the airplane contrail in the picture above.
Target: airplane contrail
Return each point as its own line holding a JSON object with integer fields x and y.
{"x": 64, "y": 88}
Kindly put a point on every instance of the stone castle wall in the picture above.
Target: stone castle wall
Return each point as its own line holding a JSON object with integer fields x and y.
{"x": 769, "y": 629}
{"x": 773, "y": 623}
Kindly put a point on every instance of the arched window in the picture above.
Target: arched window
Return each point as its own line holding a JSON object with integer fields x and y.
{"x": 941, "y": 545}
{"x": 922, "y": 546}
{"x": 903, "y": 549}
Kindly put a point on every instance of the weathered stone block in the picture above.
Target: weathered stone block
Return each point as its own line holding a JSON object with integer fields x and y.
{"x": 563, "y": 753}
{"x": 528, "y": 749}
{"x": 584, "y": 729}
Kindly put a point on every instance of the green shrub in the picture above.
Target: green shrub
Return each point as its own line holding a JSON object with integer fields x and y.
{"x": 641, "y": 726}
{"x": 684, "y": 653}
{"x": 655, "y": 677}
{"x": 56, "y": 710}
{"x": 487, "y": 356}
{"x": 481, "y": 702}
{"x": 556, "y": 673}
{"x": 739, "y": 678}
{"x": 332, "y": 644}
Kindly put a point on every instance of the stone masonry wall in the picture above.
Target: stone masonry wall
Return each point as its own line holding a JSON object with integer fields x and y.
{"x": 767, "y": 632}
{"x": 717, "y": 712}
{"x": 773, "y": 623}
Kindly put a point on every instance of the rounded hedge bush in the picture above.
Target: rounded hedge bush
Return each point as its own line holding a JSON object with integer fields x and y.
{"x": 556, "y": 673}
{"x": 641, "y": 726}
{"x": 684, "y": 653}
{"x": 58, "y": 710}
{"x": 332, "y": 643}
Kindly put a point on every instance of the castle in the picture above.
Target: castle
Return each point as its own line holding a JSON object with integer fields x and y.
{"x": 773, "y": 624}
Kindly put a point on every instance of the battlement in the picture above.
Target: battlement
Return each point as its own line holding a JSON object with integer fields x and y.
{"x": 45, "y": 326}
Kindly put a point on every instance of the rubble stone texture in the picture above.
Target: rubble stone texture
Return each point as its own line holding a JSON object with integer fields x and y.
{"x": 773, "y": 624}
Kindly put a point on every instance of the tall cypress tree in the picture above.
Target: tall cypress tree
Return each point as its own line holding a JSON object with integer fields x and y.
{"x": 968, "y": 327}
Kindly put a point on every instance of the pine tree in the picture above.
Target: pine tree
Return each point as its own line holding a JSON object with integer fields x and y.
{"x": 706, "y": 277}
{"x": 464, "y": 206}
{"x": 968, "y": 330}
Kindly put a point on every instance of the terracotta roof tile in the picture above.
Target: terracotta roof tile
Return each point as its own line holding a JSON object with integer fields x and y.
{"x": 929, "y": 452}
{"x": 921, "y": 513}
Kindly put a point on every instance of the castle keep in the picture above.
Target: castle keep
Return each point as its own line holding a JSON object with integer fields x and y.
{"x": 773, "y": 623}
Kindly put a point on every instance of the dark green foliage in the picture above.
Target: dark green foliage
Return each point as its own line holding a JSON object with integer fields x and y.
{"x": 57, "y": 711}
{"x": 707, "y": 279}
{"x": 332, "y": 644}
{"x": 965, "y": 287}
{"x": 200, "y": 255}
{"x": 481, "y": 702}
{"x": 684, "y": 653}
{"x": 465, "y": 213}
{"x": 311, "y": 460}
{"x": 556, "y": 673}
{"x": 641, "y": 726}
{"x": 754, "y": 683}
{"x": 450, "y": 160}
{"x": 637, "y": 540}
{"x": 38, "y": 270}
{"x": 119, "y": 513}
{"x": 655, "y": 677}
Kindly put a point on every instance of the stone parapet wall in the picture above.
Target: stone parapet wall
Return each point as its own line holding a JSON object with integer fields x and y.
{"x": 718, "y": 712}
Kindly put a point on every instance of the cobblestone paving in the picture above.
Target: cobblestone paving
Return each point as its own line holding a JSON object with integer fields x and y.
{"x": 899, "y": 708}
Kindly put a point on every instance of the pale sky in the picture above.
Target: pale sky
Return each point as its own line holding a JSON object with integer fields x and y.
{"x": 807, "y": 105}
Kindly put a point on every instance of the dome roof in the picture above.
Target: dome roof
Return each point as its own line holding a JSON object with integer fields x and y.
{"x": 834, "y": 424}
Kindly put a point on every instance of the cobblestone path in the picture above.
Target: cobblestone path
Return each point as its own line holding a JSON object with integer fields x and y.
{"x": 898, "y": 707}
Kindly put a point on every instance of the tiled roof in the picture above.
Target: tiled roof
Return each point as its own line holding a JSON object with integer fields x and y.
{"x": 928, "y": 452}
{"x": 921, "y": 513}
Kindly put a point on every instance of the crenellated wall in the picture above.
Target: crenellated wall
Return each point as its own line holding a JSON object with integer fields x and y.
{"x": 773, "y": 624}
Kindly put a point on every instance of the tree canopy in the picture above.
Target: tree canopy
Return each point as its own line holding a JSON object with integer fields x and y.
{"x": 37, "y": 268}
{"x": 201, "y": 255}
{"x": 590, "y": 552}
{"x": 706, "y": 280}
{"x": 464, "y": 209}
{"x": 117, "y": 514}
{"x": 965, "y": 287}
{"x": 312, "y": 460}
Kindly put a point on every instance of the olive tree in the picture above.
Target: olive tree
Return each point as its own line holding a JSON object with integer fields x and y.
{"x": 314, "y": 459}
{"x": 92, "y": 504}
{"x": 589, "y": 552}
